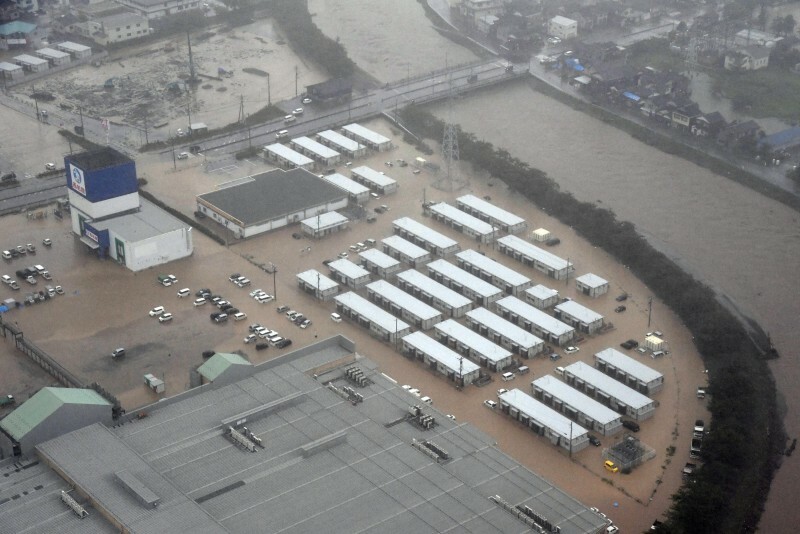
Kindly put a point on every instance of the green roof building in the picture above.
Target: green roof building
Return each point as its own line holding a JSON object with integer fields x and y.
{"x": 224, "y": 367}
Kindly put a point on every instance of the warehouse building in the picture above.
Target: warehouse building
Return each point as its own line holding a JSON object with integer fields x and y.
{"x": 379, "y": 263}
{"x": 575, "y": 405}
{"x": 326, "y": 157}
{"x": 405, "y": 251}
{"x": 400, "y": 303}
{"x": 579, "y": 316}
{"x": 381, "y": 324}
{"x": 224, "y": 367}
{"x": 630, "y": 372}
{"x": 376, "y": 181}
{"x": 348, "y": 273}
{"x": 541, "y": 296}
{"x": 486, "y": 211}
{"x": 435, "y": 355}
{"x": 544, "y": 421}
{"x": 285, "y": 157}
{"x": 31, "y": 64}
{"x": 77, "y": 51}
{"x": 504, "y": 333}
{"x": 357, "y": 193}
{"x": 324, "y": 224}
{"x": 485, "y": 268}
{"x": 465, "y": 223}
{"x": 429, "y": 239}
{"x": 444, "y": 299}
{"x": 608, "y": 391}
{"x": 473, "y": 345}
{"x": 535, "y": 321}
{"x": 367, "y": 137}
{"x": 591, "y": 285}
{"x": 535, "y": 257}
{"x": 10, "y": 71}
{"x": 315, "y": 283}
{"x": 269, "y": 201}
{"x": 352, "y": 149}
{"x": 54, "y": 57}
{"x": 478, "y": 291}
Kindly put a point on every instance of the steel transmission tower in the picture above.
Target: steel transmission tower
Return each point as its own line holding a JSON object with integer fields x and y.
{"x": 452, "y": 181}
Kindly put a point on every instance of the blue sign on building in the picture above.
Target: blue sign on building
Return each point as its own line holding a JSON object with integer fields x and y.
{"x": 101, "y": 174}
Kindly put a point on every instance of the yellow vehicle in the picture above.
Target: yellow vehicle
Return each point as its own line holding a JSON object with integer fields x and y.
{"x": 611, "y": 466}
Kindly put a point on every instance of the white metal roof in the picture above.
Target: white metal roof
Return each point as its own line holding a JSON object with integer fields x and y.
{"x": 51, "y": 53}
{"x": 545, "y": 415}
{"x": 462, "y": 277}
{"x": 579, "y": 311}
{"x": 346, "y": 184}
{"x": 348, "y": 268}
{"x": 591, "y": 280}
{"x": 577, "y": 400}
{"x": 563, "y": 21}
{"x": 382, "y": 260}
{"x": 654, "y": 340}
{"x": 463, "y": 218}
{"x": 489, "y": 209}
{"x": 315, "y": 147}
{"x": 4, "y": 65}
{"x": 314, "y": 278}
{"x": 405, "y": 247}
{"x": 368, "y": 310}
{"x": 493, "y": 267}
{"x": 630, "y": 366}
{"x": 373, "y": 176}
{"x": 407, "y": 302}
{"x": 546, "y": 322}
{"x": 534, "y": 252}
{"x": 325, "y": 220}
{"x": 425, "y": 233}
{"x": 288, "y": 154}
{"x": 434, "y": 288}
{"x": 436, "y": 351}
{"x": 366, "y": 133}
{"x": 29, "y": 60}
{"x": 608, "y": 385}
{"x": 490, "y": 350}
{"x": 541, "y": 292}
{"x": 341, "y": 141}
{"x": 506, "y": 329}
{"x": 74, "y": 47}
{"x": 542, "y": 232}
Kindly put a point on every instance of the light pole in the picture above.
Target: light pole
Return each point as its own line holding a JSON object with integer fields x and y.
{"x": 649, "y": 310}
{"x": 269, "y": 96}
{"x": 274, "y": 283}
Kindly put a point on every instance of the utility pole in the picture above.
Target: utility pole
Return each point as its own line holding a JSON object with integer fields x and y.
{"x": 241, "y": 109}
{"x": 146, "y": 141}
{"x": 649, "y": 310}
{"x": 296, "y": 77}
{"x": 35, "y": 102}
{"x": 174, "y": 161}
{"x": 189, "y": 112}
{"x": 249, "y": 139}
{"x": 80, "y": 111}
{"x": 566, "y": 280}
{"x": 269, "y": 96}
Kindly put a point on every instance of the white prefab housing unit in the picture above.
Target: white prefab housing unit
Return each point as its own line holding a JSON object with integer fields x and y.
{"x": 355, "y": 191}
{"x": 77, "y": 51}
{"x": 337, "y": 141}
{"x": 416, "y": 232}
{"x": 153, "y": 9}
{"x": 381, "y": 324}
{"x": 451, "y": 364}
{"x": 398, "y": 302}
{"x": 575, "y": 405}
{"x": 465, "y": 223}
{"x": 608, "y": 391}
{"x": 349, "y": 274}
{"x": 486, "y": 211}
{"x": 380, "y": 183}
{"x": 473, "y": 345}
{"x": 55, "y": 57}
{"x": 485, "y": 268}
{"x": 317, "y": 284}
{"x": 367, "y": 137}
{"x": 32, "y": 64}
{"x": 444, "y": 299}
{"x": 379, "y": 263}
{"x": 324, "y": 224}
{"x": 9, "y": 71}
{"x": 654, "y": 343}
{"x": 562, "y": 27}
{"x": 541, "y": 235}
{"x": 579, "y": 316}
{"x": 286, "y": 157}
{"x": 591, "y": 285}
{"x": 481, "y": 292}
{"x": 541, "y": 296}
{"x": 504, "y": 333}
{"x": 629, "y": 371}
{"x": 544, "y": 421}
{"x": 535, "y": 257}
{"x": 535, "y": 321}
{"x": 405, "y": 251}
{"x": 327, "y": 157}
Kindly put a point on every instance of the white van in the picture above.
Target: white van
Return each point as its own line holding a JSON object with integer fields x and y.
{"x": 508, "y": 376}
{"x": 183, "y": 292}
{"x": 336, "y": 318}
{"x": 560, "y": 371}
{"x": 239, "y": 316}
{"x": 282, "y": 134}
{"x": 288, "y": 119}
{"x": 427, "y": 400}
{"x": 7, "y": 255}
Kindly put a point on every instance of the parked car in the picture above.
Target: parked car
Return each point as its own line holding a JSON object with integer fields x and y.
{"x": 31, "y": 248}
{"x": 158, "y": 310}
{"x": 571, "y": 350}
{"x": 699, "y": 428}
{"x": 611, "y": 466}
{"x": 298, "y": 111}
{"x": 262, "y": 345}
{"x": 490, "y": 404}
{"x": 620, "y": 309}
{"x": 282, "y": 308}
{"x": 165, "y": 317}
{"x": 118, "y": 353}
{"x": 631, "y": 425}
{"x": 594, "y": 441}
{"x": 305, "y": 324}
{"x": 283, "y": 343}
{"x": 183, "y": 292}
{"x": 183, "y": 155}
{"x": 336, "y": 318}
{"x": 622, "y": 298}
{"x": 630, "y": 344}
{"x": 234, "y": 277}
{"x": 199, "y": 302}
{"x": 250, "y": 338}
{"x": 307, "y": 100}
{"x": 47, "y": 242}
{"x": 49, "y": 166}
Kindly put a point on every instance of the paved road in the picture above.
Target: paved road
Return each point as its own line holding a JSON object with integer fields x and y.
{"x": 32, "y": 192}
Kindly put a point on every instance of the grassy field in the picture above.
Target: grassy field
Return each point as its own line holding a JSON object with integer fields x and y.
{"x": 767, "y": 92}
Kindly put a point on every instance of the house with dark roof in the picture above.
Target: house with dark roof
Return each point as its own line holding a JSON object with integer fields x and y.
{"x": 735, "y": 132}
{"x": 708, "y": 124}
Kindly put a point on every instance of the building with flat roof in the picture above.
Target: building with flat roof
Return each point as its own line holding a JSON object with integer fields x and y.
{"x": 77, "y": 51}
{"x": 351, "y": 148}
{"x": 405, "y": 251}
{"x": 379, "y": 263}
{"x": 400, "y": 303}
{"x": 380, "y": 324}
{"x": 575, "y": 405}
{"x": 324, "y": 224}
{"x": 270, "y": 200}
{"x": 472, "y": 345}
{"x": 543, "y": 420}
{"x": 55, "y": 57}
{"x": 325, "y": 156}
{"x": 485, "y": 268}
{"x": 462, "y": 221}
{"x": 591, "y": 285}
{"x": 376, "y": 181}
{"x": 287, "y": 158}
{"x": 579, "y": 316}
{"x": 504, "y": 333}
{"x": 533, "y": 256}
{"x": 478, "y": 291}
{"x": 541, "y": 235}
{"x": 608, "y": 391}
{"x": 449, "y": 363}
{"x": 315, "y": 283}
{"x": 416, "y": 232}
{"x": 562, "y": 27}
{"x": 541, "y": 296}
{"x": 367, "y": 137}
{"x": 654, "y": 343}
{"x": 153, "y": 9}
{"x": 486, "y": 211}
{"x": 630, "y": 372}
{"x": 31, "y": 63}
{"x": 349, "y": 274}
{"x": 535, "y": 321}
{"x": 123, "y": 27}
{"x": 441, "y": 297}
{"x": 10, "y": 71}
{"x": 356, "y": 192}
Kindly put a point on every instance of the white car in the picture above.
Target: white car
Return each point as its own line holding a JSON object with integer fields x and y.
{"x": 164, "y": 317}
{"x": 264, "y": 298}
{"x": 250, "y": 338}
{"x": 305, "y": 324}
{"x": 255, "y": 292}
{"x": 336, "y": 318}
{"x": 490, "y": 404}
{"x": 158, "y": 310}
{"x": 298, "y": 111}
{"x": 183, "y": 292}
{"x": 415, "y": 392}
{"x": 7, "y": 279}
{"x": 501, "y": 391}
{"x": 183, "y": 155}
{"x": 199, "y": 302}
{"x": 50, "y": 166}
{"x": 307, "y": 100}
{"x": 571, "y": 350}
{"x": 406, "y": 387}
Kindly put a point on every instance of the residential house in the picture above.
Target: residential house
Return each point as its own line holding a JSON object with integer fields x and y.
{"x": 747, "y": 58}
{"x": 123, "y": 27}
{"x": 8, "y": 11}
{"x": 152, "y": 9}
{"x": 708, "y": 124}
{"x": 562, "y": 27}
{"x": 736, "y": 132}
{"x": 683, "y": 115}
{"x": 472, "y": 11}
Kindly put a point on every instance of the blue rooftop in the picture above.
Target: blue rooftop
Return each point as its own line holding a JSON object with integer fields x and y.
{"x": 783, "y": 139}
{"x": 17, "y": 26}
